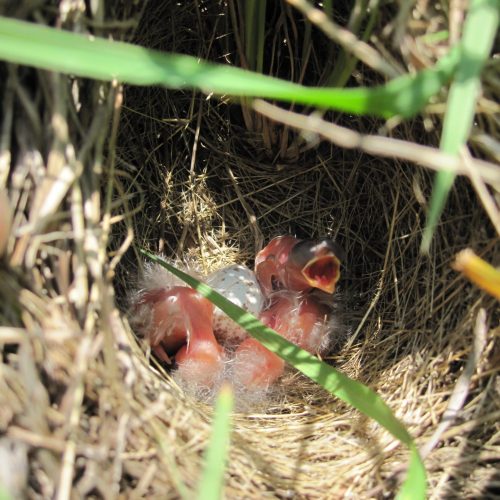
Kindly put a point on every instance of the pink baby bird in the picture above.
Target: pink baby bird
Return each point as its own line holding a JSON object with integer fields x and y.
{"x": 177, "y": 322}
{"x": 300, "y": 319}
{"x": 288, "y": 263}
{"x": 289, "y": 270}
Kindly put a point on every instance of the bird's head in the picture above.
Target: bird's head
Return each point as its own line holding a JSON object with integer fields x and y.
{"x": 318, "y": 262}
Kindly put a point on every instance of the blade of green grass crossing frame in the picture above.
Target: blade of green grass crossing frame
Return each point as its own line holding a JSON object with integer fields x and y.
{"x": 477, "y": 40}
{"x": 212, "y": 480}
{"x": 4, "y": 494}
{"x": 352, "y": 392}
{"x": 93, "y": 57}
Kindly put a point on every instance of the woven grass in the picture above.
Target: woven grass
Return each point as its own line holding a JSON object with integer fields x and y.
{"x": 95, "y": 172}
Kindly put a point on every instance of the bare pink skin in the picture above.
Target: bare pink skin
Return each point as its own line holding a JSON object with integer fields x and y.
{"x": 299, "y": 319}
{"x": 255, "y": 366}
{"x": 181, "y": 325}
{"x": 277, "y": 264}
{"x": 271, "y": 261}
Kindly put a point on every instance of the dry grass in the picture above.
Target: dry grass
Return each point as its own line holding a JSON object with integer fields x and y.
{"x": 84, "y": 412}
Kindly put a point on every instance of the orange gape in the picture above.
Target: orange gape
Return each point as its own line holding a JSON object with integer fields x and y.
{"x": 300, "y": 320}
{"x": 181, "y": 320}
{"x": 298, "y": 265}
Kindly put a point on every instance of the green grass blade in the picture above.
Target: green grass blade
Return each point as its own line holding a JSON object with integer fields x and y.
{"x": 93, "y": 57}
{"x": 352, "y": 392}
{"x": 212, "y": 480}
{"x": 346, "y": 62}
{"x": 479, "y": 33}
{"x": 249, "y": 33}
{"x": 414, "y": 486}
{"x": 255, "y": 14}
{"x": 328, "y": 8}
{"x": 4, "y": 494}
{"x": 261, "y": 35}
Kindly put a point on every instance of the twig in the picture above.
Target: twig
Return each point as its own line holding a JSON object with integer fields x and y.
{"x": 79, "y": 293}
{"x": 378, "y": 145}
{"x": 482, "y": 191}
{"x": 55, "y": 444}
{"x": 11, "y": 335}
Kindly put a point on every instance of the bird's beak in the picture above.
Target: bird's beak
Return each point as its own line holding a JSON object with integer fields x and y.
{"x": 322, "y": 272}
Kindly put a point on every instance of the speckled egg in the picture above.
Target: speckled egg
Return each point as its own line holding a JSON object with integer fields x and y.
{"x": 239, "y": 285}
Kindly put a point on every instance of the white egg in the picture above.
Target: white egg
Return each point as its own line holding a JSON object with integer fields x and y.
{"x": 239, "y": 285}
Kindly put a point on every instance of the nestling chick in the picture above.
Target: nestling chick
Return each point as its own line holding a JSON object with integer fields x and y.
{"x": 254, "y": 366}
{"x": 298, "y": 265}
{"x": 298, "y": 278}
{"x": 292, "y": 277}
{"x": 301, "y": 319}
{"x": 178, "y": 322}
{"x": 298, "y": 318}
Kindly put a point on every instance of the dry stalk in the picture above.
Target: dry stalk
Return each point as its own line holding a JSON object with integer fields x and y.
{"x": 379, "y": 145}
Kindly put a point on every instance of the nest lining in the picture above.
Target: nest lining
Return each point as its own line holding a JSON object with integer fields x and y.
{"x": 99, "y": 418}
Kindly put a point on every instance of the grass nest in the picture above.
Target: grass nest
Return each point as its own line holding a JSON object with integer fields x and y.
{"x": 95, "y": 171}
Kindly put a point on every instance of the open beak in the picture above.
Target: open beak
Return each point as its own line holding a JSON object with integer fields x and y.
{"x": 322, "y": 272}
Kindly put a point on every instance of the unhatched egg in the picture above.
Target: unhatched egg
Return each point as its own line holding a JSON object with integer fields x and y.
{"x": 239, "y": 285}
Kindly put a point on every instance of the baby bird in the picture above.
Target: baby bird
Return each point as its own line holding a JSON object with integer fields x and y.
{"x": 254, "y": 366}
{"x": 289, "y": 270}
{"x": 298, "y": 318}
{"x": 301, "y": 319}
{"x": 177, "y": 321}
{"x": 298, "y": 265}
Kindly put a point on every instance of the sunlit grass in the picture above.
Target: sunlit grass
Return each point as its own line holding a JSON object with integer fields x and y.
{"x": 4, "y": 495}
{"x": 212, "y": 480}
{"x": 479, "y": 33}
{"x": 92, "y": 57}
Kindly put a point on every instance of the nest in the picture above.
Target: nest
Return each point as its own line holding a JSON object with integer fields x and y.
{"x": 95, "y": 171}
